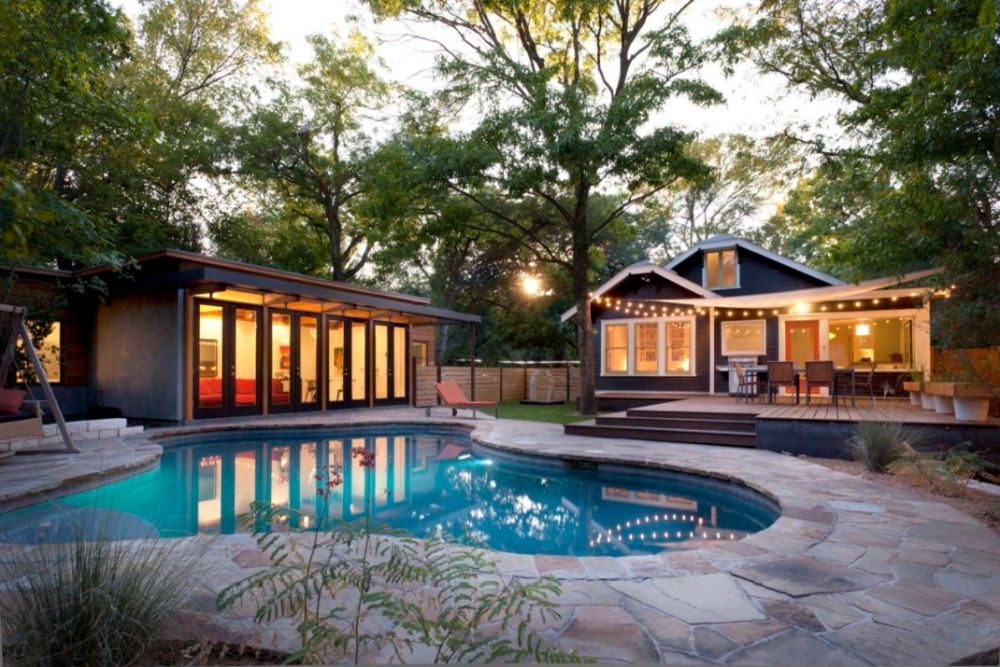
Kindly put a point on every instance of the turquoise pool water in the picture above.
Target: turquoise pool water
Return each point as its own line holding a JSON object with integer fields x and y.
{"x": 427, "y": 482}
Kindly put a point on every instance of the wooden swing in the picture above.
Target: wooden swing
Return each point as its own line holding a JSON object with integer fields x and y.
{"x": 31, "y": 425}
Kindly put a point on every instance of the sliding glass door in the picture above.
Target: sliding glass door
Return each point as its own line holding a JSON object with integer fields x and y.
{"x": 390, "y": 343}
{"x": 227, "y": 359}
{"x": 347, "y": 362}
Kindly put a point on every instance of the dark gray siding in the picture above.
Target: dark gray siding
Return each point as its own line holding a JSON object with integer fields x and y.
{"x": 758, "y": 274}
{"x": 771, "y": 344}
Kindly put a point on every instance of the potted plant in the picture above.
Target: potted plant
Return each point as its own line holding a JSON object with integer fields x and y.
{"x": 916, "y": 387}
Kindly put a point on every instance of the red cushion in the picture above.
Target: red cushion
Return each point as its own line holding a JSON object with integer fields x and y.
{"x": 11, "y": 401}
{"x": 246, "y": 386}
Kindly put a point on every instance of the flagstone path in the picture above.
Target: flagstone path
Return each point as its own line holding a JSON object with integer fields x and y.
{"x": 852, "y": 573}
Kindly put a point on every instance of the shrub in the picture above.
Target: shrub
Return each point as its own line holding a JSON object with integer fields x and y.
{"x": 948, "y": 472}
{"x": 91, "y": 601}
{"x": 877, "y": 444}
{"x": 360, "y": 593}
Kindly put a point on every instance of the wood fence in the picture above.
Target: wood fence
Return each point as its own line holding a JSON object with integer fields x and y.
{"x": 517, "y": 384}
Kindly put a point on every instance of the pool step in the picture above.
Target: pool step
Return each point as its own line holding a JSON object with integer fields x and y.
{"x": 743, "y": 425}
{"x": 718, "y": 435}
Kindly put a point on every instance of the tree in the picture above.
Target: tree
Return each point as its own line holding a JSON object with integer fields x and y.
{"x": 744, "y": 175}
{"x": 567, "y": 92}
{"x": 916, "y": 179}
{"x": 311, "y": 147}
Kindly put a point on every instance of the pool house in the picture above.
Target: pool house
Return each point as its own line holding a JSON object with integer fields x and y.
{"x": 186, "y": 337}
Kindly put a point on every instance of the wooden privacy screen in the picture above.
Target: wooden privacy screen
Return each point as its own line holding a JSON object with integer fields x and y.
{"x": 488, "y": 382}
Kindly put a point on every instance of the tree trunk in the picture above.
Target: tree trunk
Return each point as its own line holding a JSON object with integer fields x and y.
{"x": 581, "y": 290}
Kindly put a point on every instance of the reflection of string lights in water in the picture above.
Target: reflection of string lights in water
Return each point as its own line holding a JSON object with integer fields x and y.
{"x": 627, "y": 532}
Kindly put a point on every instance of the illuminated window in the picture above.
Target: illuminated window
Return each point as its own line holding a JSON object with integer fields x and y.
{"x": 679, "y": 348}
{"x": 616, "y": 348}
{"x": 888, "y": 341}
{"x": 647, "y": 343}
{"x": 420, "y": 352}
{"x": 744, "y": 337}
{"x": 721, "y": 269}
{"x": 49, "y": 353}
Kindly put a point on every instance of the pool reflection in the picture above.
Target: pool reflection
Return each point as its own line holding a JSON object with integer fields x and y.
{"x": 427, "y": 484}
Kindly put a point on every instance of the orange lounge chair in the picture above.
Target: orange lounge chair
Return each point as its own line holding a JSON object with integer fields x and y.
{"x": 452, "y": 397}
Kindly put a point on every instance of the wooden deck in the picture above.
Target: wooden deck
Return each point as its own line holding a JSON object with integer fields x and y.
{"x": 821, "y": 409}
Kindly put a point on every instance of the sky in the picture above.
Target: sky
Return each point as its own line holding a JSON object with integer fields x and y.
{"x": 755, "y": 104}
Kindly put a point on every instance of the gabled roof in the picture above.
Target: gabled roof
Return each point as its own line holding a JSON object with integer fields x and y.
{"x": 723, "y": 241}
{"x": 645, "y": 268}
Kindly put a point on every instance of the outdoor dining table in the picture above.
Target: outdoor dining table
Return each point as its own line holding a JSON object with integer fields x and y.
{"x": 761, "y": 373}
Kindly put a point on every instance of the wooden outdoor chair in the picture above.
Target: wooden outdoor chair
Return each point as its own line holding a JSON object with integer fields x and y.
{"x": 781, "y": 374}
{"x": 865, "y": 382}
{"x": 746, "y": 382}
{"x": 820, "y": 374}
{"x": 452, "y": 397}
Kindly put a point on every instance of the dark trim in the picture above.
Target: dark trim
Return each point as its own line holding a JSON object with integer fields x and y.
{"x": 227, "y": 407}
{"x": 349, "y": 400}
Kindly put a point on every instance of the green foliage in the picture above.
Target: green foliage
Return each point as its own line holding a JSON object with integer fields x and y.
{"x": 916, "y": 178}
{"x": 947, "y": 472}
{"x": 91, "y": 601}
{"x": 362, "y": 593}
{"x": 877, "y": 444}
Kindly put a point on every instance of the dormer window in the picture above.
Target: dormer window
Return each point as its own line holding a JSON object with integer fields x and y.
{"x": 722, "y": 270}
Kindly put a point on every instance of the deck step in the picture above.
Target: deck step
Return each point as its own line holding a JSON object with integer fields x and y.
{"x": 701, "y": 437}
{"x": 745, "y": 425}
{"x": 693, "y": 414}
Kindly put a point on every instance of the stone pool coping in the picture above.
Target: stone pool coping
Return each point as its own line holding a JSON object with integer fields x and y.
{"x": 851, "y": 573}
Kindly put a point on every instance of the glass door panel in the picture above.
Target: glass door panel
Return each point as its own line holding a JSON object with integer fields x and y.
{"x": 209, "y": 362}
{"x": 381, "y": 362}
{"x": 399, "y": 358}
{"x": 227, "y": 360}
{"x": 245, "y": 396}
{"x": 801, "y": 345}
{"x": 308, "y": 366}
{"x": 359, "y": 363}
{"x": 336, "y": 362}
{"x": 280, "y": 384}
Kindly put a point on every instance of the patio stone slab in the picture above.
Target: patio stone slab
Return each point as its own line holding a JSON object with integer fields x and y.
{"x": 887, "y": 645}
{"x": 608, "y": 633}
{"x": 712, "y": 644}
{"x": 795, "y": 647}
{"x": 751, "y": 632}
{"x": 705, "y": 598}
{"x": 977, "y": 537}
{"x": 799, "y": 576}
{"x": 792, "y": 614}
{"x": 928, "y": 602}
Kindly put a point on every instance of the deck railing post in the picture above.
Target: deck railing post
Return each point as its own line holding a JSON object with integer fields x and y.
{"x": 472, "y": 358}
{"x": 567, "y": 383}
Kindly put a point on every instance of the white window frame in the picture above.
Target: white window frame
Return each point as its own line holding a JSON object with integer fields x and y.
{"x": 704, "y": 268}
{"x": 725, "y": 348}
{"x": 628, "y": 347}
{"x": 661, "y": 352}
{"x": 634, "y": 347}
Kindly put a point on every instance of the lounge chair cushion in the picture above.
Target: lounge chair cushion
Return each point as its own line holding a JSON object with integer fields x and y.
{"x": 11, "y": 401}
{"x": 452, "y": 395}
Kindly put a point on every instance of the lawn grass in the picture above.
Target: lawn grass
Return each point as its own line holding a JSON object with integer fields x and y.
{"x": 560, "y": 413}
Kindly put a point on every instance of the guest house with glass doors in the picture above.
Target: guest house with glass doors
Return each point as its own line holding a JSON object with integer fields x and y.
{"x": 679, "y": 328}
{"x": 185, "y": 336}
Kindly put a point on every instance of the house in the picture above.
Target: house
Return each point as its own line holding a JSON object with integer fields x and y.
{"x": 677, "y": 329}
{"x": 186, "y": 336}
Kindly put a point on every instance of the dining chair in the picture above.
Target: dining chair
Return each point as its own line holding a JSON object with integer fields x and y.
{"x": 780, "y": 374}
{"x": 746, "y": 382}
{"x": 820, "y": 374}
{"x": 865, "y": 381}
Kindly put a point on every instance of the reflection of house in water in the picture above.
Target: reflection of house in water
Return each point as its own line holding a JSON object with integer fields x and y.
{"x": 222, "y": 484}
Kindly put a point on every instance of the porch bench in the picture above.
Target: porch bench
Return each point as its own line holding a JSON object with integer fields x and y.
{"x": 969, "y": 401}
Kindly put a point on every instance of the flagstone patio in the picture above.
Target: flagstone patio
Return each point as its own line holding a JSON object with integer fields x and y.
{"x": 851, "y": 573}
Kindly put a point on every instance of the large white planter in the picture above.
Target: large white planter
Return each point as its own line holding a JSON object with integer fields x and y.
{"x": 972, "y": 409}
{"x": 926, "y": 401}
{"x": 915, "y": 399}
{"x": 944, "y": 405}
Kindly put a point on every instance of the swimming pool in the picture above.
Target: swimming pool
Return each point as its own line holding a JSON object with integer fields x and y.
{"x": 428, "y": 482}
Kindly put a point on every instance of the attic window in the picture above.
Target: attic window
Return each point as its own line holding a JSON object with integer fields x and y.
{"x": 722, "y": 270}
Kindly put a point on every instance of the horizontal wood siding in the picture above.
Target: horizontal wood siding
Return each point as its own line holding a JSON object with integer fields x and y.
{"x": 758, "y": 274}
{"x": 488, "y": 378}
{"x": 771, "y": 343}
{"x": 697, "y": 382}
